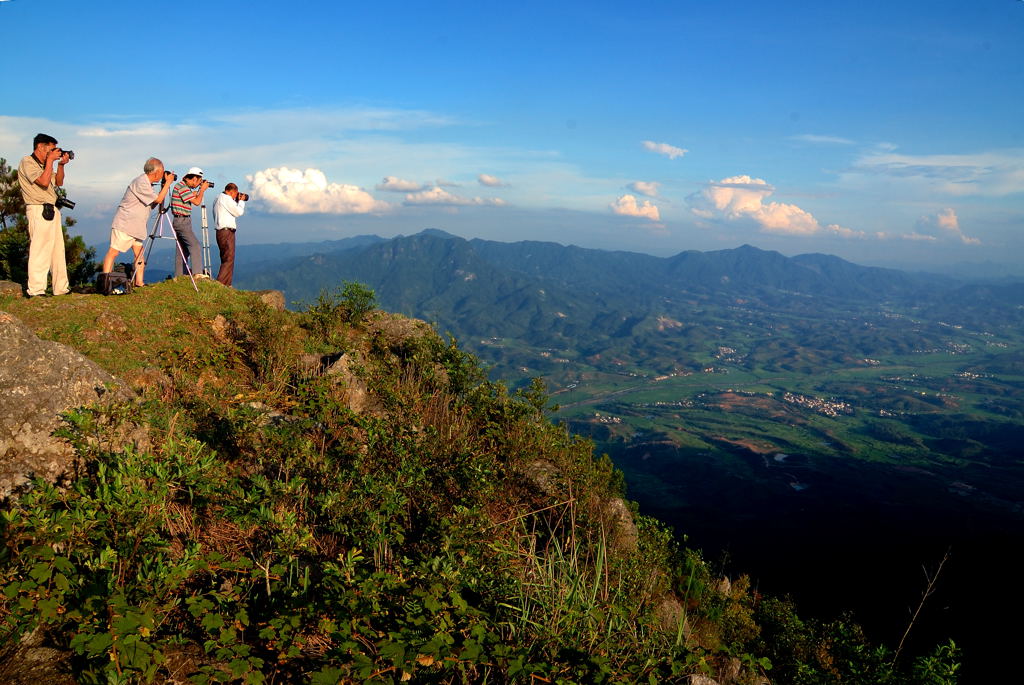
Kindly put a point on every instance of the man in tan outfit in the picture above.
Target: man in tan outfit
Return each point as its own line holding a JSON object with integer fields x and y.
{"x": 39, "y": 174}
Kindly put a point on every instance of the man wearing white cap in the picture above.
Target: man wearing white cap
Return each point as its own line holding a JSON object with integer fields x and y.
{"x": 183, "y": 198}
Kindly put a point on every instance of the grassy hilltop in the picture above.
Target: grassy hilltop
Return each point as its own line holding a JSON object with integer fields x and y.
{"x": 340, "y": 495}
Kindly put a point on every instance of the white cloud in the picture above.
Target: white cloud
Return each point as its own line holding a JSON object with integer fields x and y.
{"x": 490, "y": 181}
{"x": 942, "y": 225}
{"x": 628, "y": 206}
{"x": 741, "y": 199}
{"x": 823, "y": 140}
{"x": 440, "y": 196}
{"x": 844, "y": 232}
{"x": 394, "y": 184}
{"x": 149, "y": 130}
{"x": 330, "y": 120}
{"x": 648, "y": 188}
{"x": 990, "y": 174}
{"x": 670, "y": 151}
{"x": 290, "y": 191}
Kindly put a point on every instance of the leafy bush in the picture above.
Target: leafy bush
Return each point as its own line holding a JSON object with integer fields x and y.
{"x": 346, "y": 305}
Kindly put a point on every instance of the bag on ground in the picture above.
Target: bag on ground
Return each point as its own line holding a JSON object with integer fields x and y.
{"x": 114, "y": 283}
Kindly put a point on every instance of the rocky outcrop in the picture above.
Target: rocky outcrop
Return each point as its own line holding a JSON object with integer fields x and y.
{"x": 39, "y": 380}
{"x": 625, "y": 535}
{"x": 272, "y": 298}
{"x": 10, "y": 289}
{"x": 33, "y": 660}
{"x": 549, "y": 479}
{"x": 343, "y": 369}
{"x": 698, "y": 679}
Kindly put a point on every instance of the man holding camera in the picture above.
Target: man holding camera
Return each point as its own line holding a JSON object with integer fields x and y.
{"x": 229, "y": 206}
{"x": 183, "y": 198}
{"x": 39, "y": 180}
{"x": 128, "y": 230}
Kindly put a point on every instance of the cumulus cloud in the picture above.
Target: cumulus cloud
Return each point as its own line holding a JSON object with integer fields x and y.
{"x": 648, "y": 188}
{"x": 741, "y": 199}
{"x": 627, "y": 205}
{"x": 291, "y": 191}
{"x": 942, "y": 225}
{"x": 490, "y": 181}
{"x": 393, "y": 184}
{"x": 670, "y": 151}
{"x": 440, "y": 196}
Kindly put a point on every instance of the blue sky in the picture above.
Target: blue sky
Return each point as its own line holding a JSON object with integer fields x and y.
{"x": 880, "y": 132}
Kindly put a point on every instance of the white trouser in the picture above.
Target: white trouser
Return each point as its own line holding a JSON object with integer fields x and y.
{"x": 45, "y": 252}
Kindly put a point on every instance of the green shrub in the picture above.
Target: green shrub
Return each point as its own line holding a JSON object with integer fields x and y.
{"x": 332, "y": 310}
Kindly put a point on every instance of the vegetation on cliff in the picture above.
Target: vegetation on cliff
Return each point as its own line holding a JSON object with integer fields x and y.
{"x": 340, "y": 495}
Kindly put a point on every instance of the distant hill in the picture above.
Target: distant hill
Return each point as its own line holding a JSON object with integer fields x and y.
{"x": 274, "y": 252}
{"x": 591, "y": 302}
{"x": 574, "y": 268}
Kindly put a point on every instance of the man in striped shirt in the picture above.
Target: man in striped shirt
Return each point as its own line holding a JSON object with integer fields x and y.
{"x": 184, "y": 197}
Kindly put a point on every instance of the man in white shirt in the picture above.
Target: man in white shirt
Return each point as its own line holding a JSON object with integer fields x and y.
{"x": 229, "y": 206}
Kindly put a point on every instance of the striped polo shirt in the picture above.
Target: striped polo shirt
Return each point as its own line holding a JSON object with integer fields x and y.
{"x": 181, "y": 199}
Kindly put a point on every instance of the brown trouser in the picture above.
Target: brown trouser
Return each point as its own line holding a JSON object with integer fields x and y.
{"x": 226, "y": 243}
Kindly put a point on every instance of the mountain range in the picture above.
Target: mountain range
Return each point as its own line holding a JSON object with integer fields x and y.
{"x": 584, "y": 303}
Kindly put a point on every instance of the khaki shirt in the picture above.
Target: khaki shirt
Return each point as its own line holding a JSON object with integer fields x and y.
{"x": 135, "y": 207}
{"x": 28, "y": 171}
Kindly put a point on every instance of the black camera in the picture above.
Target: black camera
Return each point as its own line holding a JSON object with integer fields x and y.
{"x": 243, "y": 197}
{"x": 63, "y": 202}
{"x": 69, "y": 153}
{"x": 206, "y": 180}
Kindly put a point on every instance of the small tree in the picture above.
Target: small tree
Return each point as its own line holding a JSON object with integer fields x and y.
{"x": 14, "y": 241}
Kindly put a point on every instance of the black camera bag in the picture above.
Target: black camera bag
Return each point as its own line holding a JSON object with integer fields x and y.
{"x": 114, "y": 283}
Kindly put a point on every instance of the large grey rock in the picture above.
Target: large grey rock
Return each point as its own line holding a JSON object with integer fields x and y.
{"x": 38, "y": 381}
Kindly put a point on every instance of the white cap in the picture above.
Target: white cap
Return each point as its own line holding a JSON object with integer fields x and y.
{"x": 194, "y": 170}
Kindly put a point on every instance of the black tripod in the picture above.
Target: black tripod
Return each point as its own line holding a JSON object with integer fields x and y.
{"x": 162, "y": 221}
